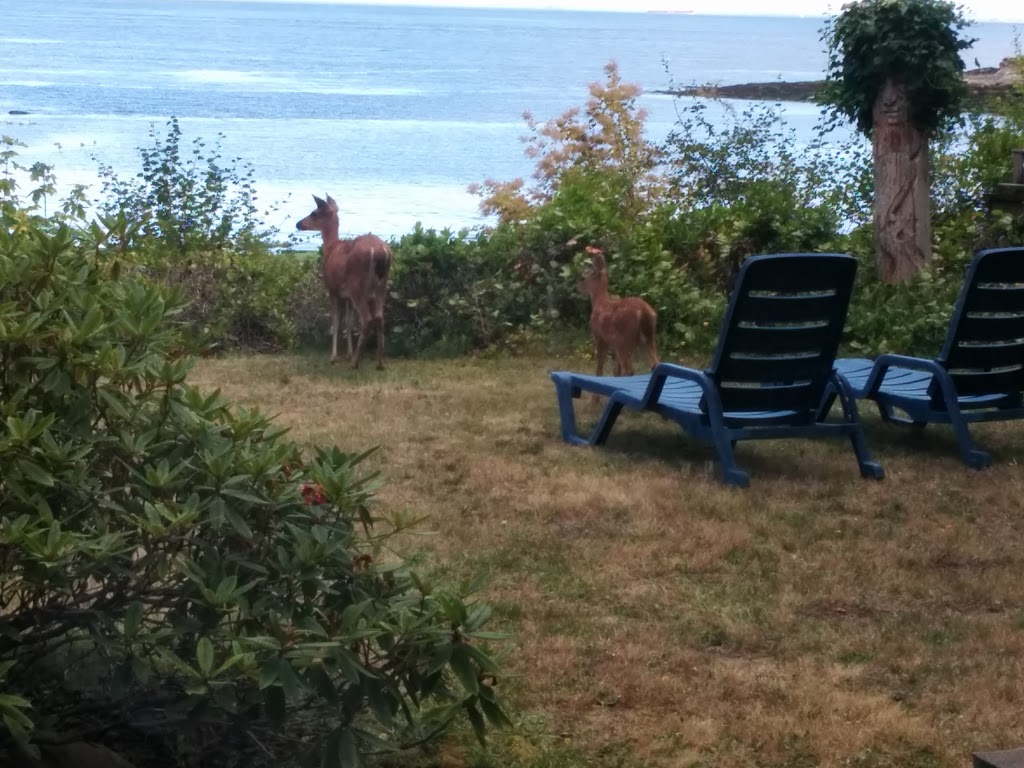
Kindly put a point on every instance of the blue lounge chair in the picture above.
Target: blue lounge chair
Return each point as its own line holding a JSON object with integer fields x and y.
{"x": 979, "y": 374}
{"x": 774, "y": 359}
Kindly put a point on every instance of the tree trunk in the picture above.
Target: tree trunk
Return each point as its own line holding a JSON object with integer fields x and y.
{"x": 903, "y": 232}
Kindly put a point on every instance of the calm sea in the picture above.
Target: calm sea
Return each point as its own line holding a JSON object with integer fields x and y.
{"x": 392, "y": 110}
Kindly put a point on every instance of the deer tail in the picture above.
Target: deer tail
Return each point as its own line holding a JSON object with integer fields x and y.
{"x": 381, "y": 262}
{"x": 649, "y": 323}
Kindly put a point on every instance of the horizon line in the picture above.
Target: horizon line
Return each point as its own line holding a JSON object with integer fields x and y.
{"x": 456, "y": 5}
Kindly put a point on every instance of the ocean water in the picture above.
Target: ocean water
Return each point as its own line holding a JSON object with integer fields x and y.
{"x": 393, "y": 111}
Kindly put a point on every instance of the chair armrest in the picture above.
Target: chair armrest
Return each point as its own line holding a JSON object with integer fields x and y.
{"x": 664, "y": 371}
{"x": 885, "y": 362}
{"x": 672, "y": 371}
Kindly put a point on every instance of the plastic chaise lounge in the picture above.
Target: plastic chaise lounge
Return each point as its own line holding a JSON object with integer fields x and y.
{"x": 979, "y": 374}
{"x": 769, "y": 374}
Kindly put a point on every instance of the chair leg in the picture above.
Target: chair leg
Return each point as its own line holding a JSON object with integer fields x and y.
{"x": 885, "y": 412}
{"x": 731, "y": 473}
{"x": 971, "y": 455}
{"x": 826, "y": 403}
{"x": 567, "y": 416}
{"x": 868, "y": 467}
{"x": 604, "y": 426}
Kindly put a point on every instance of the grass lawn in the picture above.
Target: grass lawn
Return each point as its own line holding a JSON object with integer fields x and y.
{"x": 659, "y": 618}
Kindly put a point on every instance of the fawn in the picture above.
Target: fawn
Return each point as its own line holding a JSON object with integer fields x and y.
{"x": 617, "y": 324}
{"x": 355, "y": 273}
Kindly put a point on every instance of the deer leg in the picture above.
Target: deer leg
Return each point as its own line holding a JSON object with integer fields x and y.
{"x": 335, "y": 321}
{"x": 623, "y": 361}
{"x": 652, "y": 352}
{"x": 602, "y": 354}
{"x": 349, "y": 322}
{"x": 365, "y": 318}
{"x": 378, "y": 319}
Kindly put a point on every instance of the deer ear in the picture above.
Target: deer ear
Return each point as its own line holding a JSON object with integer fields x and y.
{"x": 319, "y": 203}
{"x": 330, "y": 202}
{"x": 598, "y": 261}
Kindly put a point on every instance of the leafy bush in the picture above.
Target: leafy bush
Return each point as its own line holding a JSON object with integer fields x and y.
{"x": 188, "y": 198}
{"x": 237, "y": 299}
{"x": 451, "y": 294}
{"x": 177, "y": 580}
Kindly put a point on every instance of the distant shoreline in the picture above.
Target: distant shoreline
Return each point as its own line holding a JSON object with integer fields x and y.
{"x": 982, "y": 85}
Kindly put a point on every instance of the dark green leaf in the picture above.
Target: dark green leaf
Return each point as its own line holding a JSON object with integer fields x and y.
{"x": 205, "y": 655}
{"x": 477, "y": 721}
{"x": 274, "y": 701}
{"x": 464, "y": 668}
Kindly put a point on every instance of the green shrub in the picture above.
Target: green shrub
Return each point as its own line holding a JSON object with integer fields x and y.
{"x": 451, "y": 294}
{"x": 188, "y": 198}
{"x": 237, "y": 299}
{"x": 177, "y": 580}
{"x": 910, "y": 318}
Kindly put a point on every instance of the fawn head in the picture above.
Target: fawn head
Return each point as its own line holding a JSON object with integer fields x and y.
{"x": 596, "y": 275}
{"x": 323, "y": 216}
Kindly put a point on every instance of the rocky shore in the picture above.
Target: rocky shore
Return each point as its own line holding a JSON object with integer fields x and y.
{"x": 982, "y": 84}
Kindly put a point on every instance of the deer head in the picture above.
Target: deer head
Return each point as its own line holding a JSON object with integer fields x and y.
{"x": 323, "y": 219}
{"x": 594, "y": 277}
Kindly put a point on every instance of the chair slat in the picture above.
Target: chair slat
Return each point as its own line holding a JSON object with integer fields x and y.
{"x": 988, "y": 383}
{"x": 986, "y": 356}
{"x": 782, "y": 397}
{"x": 780, "y": 339}
{"x": 812, "y": 275}
{"x": 976, "y": 327}
{"x": 765, "y": 370}
{"x": 785, "y": 309}
{"x": 987, "y": 298}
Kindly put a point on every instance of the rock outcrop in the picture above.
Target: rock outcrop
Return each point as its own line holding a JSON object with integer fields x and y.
{"x": 981, "y": 83}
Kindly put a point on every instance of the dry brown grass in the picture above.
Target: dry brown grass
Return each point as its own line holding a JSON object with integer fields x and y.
{"x": 659, "y": 618}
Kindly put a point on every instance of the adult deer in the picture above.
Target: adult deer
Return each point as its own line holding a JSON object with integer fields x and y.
{"x": 355, "y": 271}
{"x": 617, "y": 324}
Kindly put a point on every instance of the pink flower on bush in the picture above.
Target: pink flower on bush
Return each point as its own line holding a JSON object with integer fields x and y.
{"x": 313, "y": 493}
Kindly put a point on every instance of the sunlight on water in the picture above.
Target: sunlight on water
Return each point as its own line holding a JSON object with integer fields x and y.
{"x": 265, "y": 82}
{"x": 27, "y": 41}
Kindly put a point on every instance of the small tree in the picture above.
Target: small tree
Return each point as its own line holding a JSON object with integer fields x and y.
{"x": 606, "y": 138}
{"x": 894, "y": 69}
{"x": 187, "y": 198}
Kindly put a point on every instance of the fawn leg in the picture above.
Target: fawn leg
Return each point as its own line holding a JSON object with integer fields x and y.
{"x": 652, "y": 352}
{"x": 602, "y": 354}
{"x": 624, "y": 361}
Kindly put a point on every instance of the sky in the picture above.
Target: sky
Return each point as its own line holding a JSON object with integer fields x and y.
{"x": 978, "y": 10}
